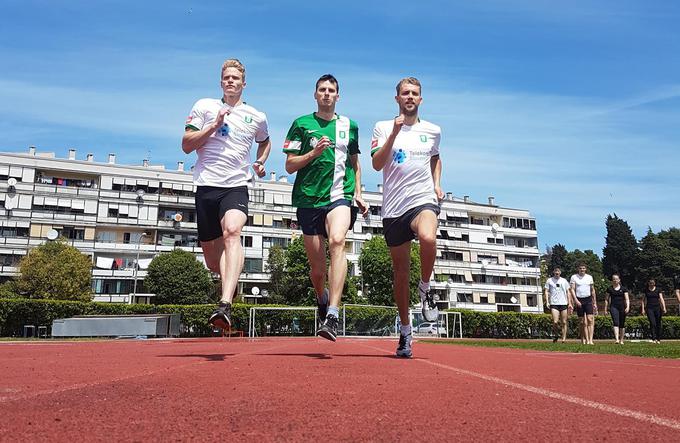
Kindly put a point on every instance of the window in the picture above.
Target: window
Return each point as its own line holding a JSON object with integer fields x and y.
{"x": 491, "y": 259}
{"x": 452, "y": 255}
{"x": 73, "y": 233}
{"x": 464, "y": 297}
{"x": 13, "y": 232}
{"x": 282, "y": 242}
{"x": 504, "y": 297}
{"x": 106, "y": 236}
{"x": 252, "y": 265}
{"x": 465, "y": 238}
{"x": 531, "y": 300}
{"x": 257, "y": 195}
{"x": 247, "y": 241}
{"x": 277, "y": 224}
{"x": 484, "y": 299}
{"x": 113, "y": 212}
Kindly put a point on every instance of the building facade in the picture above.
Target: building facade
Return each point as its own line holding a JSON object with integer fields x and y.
{"x": 121, "y": 215}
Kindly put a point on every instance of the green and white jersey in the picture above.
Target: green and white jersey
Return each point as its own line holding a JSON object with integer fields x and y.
{"x": 224, "y": 160}
{"x": 330, "y": 176}
{"x": 407, "y": 175}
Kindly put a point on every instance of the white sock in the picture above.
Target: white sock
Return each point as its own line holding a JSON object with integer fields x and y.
{"x": 424, "y": 287}
{"x": 405, "y": 329}
{"x": 333, "y": 310}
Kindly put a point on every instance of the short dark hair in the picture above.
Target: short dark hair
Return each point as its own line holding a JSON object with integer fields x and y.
{"x": 329, "y": 78}
{"x": 581, "y": 264}
{"x": 557, "y": 268}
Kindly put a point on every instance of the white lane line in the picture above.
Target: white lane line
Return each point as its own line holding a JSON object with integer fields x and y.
{"x": 624, "y": 412}
{"x": 77, "y": 386}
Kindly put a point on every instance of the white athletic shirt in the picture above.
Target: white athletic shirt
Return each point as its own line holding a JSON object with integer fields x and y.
{"x": 557, "y": 288}
{"x": 224, "y": 160}
{"x": 407, "y": 176}
{"x": 582, "y": 285}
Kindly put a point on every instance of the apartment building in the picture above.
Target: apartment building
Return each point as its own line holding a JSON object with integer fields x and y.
{"x": 121, "y": 215}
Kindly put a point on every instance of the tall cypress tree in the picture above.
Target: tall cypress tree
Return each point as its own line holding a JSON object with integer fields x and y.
{"x": 620, "y": 253}
{"x": 558, "y": 258}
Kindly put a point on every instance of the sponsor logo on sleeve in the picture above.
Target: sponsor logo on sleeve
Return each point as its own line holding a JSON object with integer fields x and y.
{"x": 191, "y": 117}
{"x": 374, "y": 143}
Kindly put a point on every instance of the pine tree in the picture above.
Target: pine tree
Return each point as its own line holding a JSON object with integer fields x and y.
{"x": 620, "y": 251}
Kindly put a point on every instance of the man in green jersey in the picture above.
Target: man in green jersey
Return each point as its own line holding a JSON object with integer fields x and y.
{"x": 323, "y": 149}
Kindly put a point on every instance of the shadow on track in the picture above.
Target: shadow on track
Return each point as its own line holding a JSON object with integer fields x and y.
{"x": 209, "y": 357}
{"x": 325, "y": 356}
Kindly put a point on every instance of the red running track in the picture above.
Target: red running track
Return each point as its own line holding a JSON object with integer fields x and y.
{"x": 310, "y": 389}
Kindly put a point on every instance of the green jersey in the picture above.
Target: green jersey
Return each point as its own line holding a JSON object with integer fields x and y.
{"x": 330, "y": 176}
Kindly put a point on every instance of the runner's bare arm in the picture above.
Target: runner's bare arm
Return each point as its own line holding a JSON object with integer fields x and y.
{"x": 436, "y": 167}
{"x": 356, "y": 164}
{"x": 263, "y": 150}
{"x": 295, "y": 162}
{"x": 380, "y": 157}
{"x": 193, "y": 139}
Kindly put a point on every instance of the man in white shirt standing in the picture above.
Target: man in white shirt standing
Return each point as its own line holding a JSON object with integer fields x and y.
{"x": 585, "y": 300}
{"x": 406, "y": 149}
{"x": 556, "y": 295}
{"x": 222, "y": 132}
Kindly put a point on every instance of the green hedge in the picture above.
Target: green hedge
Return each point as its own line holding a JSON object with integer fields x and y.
{"x": 15, "y": 313}
{"x": 520, "y": 325}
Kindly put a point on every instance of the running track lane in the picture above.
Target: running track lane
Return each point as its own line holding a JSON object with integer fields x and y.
{"x": 310, "y": 389}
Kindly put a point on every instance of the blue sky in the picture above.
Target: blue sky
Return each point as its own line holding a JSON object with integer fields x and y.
{"x": 569, "y": 111}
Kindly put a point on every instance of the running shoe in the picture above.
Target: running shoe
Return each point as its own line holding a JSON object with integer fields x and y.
{"x": 329, "y": 328}
{"x": 430, "y": 310}
{"x": 555, "y": 339}
{"x": 322, "y": 309}
{"x": 221, "y": 318}
{"x": 404, "y": 348}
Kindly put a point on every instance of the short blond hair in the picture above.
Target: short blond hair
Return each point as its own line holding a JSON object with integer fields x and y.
{"x": 234, "y": 63}
{"x": 409, "y": 81}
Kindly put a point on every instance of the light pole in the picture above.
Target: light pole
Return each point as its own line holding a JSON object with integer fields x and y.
{"x": 139, "y": 246}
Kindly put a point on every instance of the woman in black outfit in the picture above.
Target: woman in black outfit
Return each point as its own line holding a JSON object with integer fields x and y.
{"x": 619, "y": 304}
{"x": 653, "y": 301}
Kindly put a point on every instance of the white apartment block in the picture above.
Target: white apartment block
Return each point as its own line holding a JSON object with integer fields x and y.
{"x": 487, "y": 256}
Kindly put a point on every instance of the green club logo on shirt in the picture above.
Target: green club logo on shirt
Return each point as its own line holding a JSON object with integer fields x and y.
{"x": 248, "y": 119}
{"x": 423, "y": 138}
{"x": 342, "y": 134}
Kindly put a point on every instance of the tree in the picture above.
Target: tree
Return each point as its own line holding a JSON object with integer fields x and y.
{"x": 55, "y": 270}
{"x": 659, "y": 258}
{"x": 376, "y": 264}
{"x": 619, "y": 255}
{"x": 276, "y": 267}
{"x": 178, "y": 278}
{"x": 296, "y": 285}
{"x": 558, "y": 258}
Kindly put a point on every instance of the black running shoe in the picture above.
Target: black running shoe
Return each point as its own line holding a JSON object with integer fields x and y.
{"x": 322, "y": 309}
{"x": 555, "y": 339}
{"x": 404, "y": 349}
{"x": 329, "y": 328}
{"x": 221, "y": 318}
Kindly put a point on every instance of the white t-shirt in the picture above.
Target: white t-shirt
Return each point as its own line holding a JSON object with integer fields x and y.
{"x": 557, "y": 289}
{"x": 582, "y": 285}
{"x": 224, "y": 160}
{"x": 407, "y": 176}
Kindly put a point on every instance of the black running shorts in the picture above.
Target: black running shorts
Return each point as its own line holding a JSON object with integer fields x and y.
{"x": 398, "y": 231}
{"x": 211, "y": 205}
{"x": 313, "y": 220}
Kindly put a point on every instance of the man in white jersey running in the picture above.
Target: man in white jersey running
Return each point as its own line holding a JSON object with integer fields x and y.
{"x": 585, "y": 300}
{"x": 222, "y": 132}
{"x": 556, "y": 295}
{"x": 406, "y": 149}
